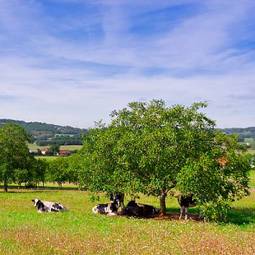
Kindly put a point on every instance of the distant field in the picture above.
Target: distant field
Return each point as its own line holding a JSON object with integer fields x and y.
{"x": 47, "y": 157}
{"x": 251, "y": 151}
{"x": 71, "y": 147}
{"x": 32, "y": 146}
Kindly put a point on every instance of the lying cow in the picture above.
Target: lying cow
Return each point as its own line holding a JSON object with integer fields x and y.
{"x": 46, "y": 206}
{"x": 185, "y": 201}
{"x": 111, "y": 208}
{"x": 140, "y": 210}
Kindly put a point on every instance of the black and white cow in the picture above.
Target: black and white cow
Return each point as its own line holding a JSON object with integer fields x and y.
{"x": 46, "y": 206}
{"x": 185, "y": 201}
{"x": 140, "y": 210}
{"x": 111, "y": 209}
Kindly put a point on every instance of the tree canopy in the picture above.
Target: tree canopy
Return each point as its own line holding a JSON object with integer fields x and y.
{"x": 152, "y": 148}
{"x": 14, "y": 156}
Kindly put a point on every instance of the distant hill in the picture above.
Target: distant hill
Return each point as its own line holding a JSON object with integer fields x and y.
{"x": 244, "y": 133}
{"x": 46, "y": 134}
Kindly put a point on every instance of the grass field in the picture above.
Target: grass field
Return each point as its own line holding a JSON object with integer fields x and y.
{"x": 33, "y": 146}
{"x": 252, "y": 151}
{"x": 47, "y": 157}
{"x": 78, "y": 231}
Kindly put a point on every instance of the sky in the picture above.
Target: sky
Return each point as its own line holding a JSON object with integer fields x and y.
{"x": 72, "y": 62}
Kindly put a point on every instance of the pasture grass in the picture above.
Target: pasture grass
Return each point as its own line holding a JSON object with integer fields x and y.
{"x": 33, "y": 146}
{"x": 251, "y": 151}
{"x": 78, "y": 231}
{"x": 71, "y": 147}
{"x": 47, "y": 158}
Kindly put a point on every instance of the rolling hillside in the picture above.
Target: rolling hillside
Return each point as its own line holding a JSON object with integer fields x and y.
{"x": 46, "y": 134}
{"x": 243, "y": 133}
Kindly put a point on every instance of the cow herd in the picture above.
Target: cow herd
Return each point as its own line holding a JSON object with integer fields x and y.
{"x": 140, "y": 210}
{"x": 116, "y": 207}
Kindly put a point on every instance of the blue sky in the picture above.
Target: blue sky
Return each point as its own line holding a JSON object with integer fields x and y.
{"x": 72, "y": 62}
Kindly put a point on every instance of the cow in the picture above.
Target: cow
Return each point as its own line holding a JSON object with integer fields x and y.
{"x": 118, "y": 198}
{"x": 140, "y": 210}
{"x": 46, "y": 206}
{"x": 111, "y": 208}
{"x": 185, "y": 201}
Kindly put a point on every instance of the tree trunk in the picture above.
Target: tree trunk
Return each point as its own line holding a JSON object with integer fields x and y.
{"x": 5, "y": 185}
{"x": 122, "y": 206}
{"x": 162, "y": 200}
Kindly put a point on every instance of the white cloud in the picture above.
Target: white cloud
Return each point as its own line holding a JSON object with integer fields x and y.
{"x": 48, "y": 75}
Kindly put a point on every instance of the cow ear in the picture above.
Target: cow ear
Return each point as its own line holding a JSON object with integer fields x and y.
{"x": 33, "y": 200}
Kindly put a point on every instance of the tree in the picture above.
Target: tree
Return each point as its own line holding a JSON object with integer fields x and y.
{"x": 98, "y": 161}
{"x": 147, "y": 146}
{"x": 158, "y": 142}
{"x": 54, "y": 149}
{"x": 14, "y": 154}
{"x": 57, "y": 170}
{"x": 217, "y": 177}
{"x": 40, "y": 166}
{"x": 32, "y": 175}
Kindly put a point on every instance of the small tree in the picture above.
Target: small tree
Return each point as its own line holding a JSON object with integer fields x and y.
{"x": 217, "y": 177}
{"x": 14, "y": 152}
{"x": 54, "y": 149}
{"x": 57, "y": 171}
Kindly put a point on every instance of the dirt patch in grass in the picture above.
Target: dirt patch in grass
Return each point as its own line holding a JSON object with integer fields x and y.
{"x": 175, "y": 216}
{"x": 169, "y": 216}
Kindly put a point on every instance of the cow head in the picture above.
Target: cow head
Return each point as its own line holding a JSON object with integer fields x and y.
{"x": 35, "y": 201}
{"x": 38, "y": 204}
{"x": 117, "y": 199}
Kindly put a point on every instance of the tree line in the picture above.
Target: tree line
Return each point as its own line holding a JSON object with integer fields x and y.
{"x": 18, "y": 166}
{"x": 147, "y": 148}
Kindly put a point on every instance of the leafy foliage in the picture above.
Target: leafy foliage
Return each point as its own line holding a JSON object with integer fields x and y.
{"x": 151, "y": 148}
{"x": 14, "y": 157}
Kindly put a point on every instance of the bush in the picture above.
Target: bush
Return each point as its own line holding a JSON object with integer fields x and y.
{"x": 215, "y": 211}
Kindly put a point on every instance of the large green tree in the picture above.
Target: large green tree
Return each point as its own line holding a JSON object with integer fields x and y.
{"x": 14, "y": 152}
{"x": 147, "y": 147}
{"x": 159, "y": 140}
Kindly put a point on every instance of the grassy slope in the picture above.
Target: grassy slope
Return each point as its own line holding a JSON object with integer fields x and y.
{"x": 47, "y": 157}
{"x": 252, "y": 151}
{"x": 33, "y": 146}
{"x": 78, "y": 231}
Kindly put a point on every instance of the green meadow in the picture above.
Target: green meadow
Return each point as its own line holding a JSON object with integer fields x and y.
{"x": 78, "y": 231}
{"x": 33, "y": 146}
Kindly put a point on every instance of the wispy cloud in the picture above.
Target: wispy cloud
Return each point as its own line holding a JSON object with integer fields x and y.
{"x": 73, "y": 61}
